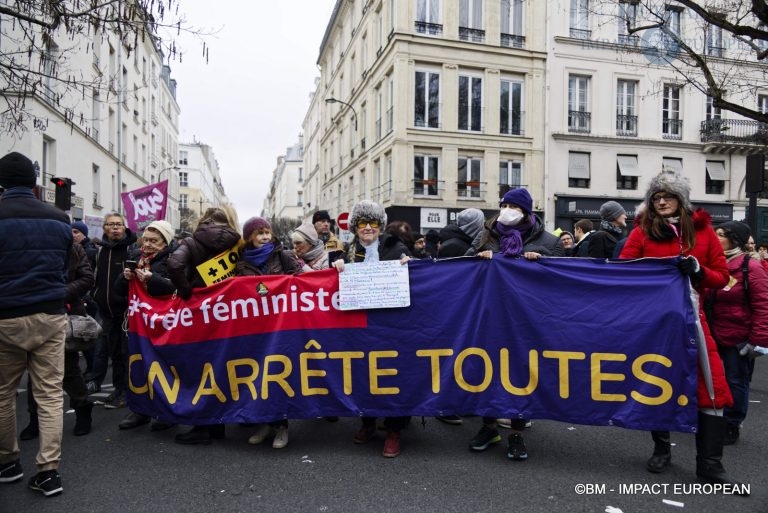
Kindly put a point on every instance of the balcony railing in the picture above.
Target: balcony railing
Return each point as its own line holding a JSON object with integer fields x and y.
{"x": 579, "y": 121}
{"x": 471, "y": 34}
{"x": 432, "y": 29}
{"x": 428, "y": 187}
{"x": 672, "y": 128}
{"x": 626, "y": 125}
{"x": 469, "y": 190}
{"x": 512, "y": 41}
{"x": 580, "y": 33}
{"x": 734, "y": 131}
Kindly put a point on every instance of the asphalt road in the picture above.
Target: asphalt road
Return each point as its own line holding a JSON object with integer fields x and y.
{"x": 321, "y": 470}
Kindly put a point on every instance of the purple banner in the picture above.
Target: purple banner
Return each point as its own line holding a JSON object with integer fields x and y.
{"x": 142, "y": 206}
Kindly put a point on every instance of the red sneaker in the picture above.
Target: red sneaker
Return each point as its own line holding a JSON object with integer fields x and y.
{"x": 391, "y": 445}
{"x": 364, "y": 434}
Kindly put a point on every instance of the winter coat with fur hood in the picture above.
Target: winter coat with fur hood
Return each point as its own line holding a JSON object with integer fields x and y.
{"x": 709, "y": 252}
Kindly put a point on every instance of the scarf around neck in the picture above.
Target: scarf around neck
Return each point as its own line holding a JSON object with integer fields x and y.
{"x": 511, "y": 242}
{"x": 257, "y": 257}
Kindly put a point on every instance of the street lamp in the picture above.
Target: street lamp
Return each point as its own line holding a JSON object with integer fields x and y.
{"x": 354, "y": 114}
{"x": 160, "y": 173}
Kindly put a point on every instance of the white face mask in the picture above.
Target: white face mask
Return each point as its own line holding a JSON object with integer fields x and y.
{"x": 510, "y": 216}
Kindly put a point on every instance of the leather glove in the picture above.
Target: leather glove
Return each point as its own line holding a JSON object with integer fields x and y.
{"x": 690, "y": 267}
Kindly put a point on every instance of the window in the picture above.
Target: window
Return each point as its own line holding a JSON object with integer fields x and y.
{"x": 390, "y": 102}
{"x": 579, "y": 117}
{"x": 388, "y": 183}
{"x": 579, "y": 19}
{"x": 627, "y": 172}
{"x": 510, "y": 175}
{"x": 299, "y": 199}
{"x": 183, "y": 201}
{"x": 427, "y": 99}
{"x": 183, "y": 179}
{"x": 512, "y": 23}
{"x": 715, "y": 46}
{"x": 96, "y": 115}
{"x": 511, "y": 111}
{"x": 712, "y": 112}
{"x": 470, "y": 170}
{"x": 671, "y": 124}
{"x": 377, "y": 185}
{"x": 762, "y": 103}
{"x": 96, "y": 185}
{"x": 183, "y": 158}
{"x": 470, "y": 102}
{"x": 626, "y": 120}
{"x": 379, "y": 99}
{"x": 578, "y": 170}
{"x": 428, "y": 17}
{"x": 471, "y": 21}
{"x": 715, "y": 181}
{"x": 426, "y": 173}
{"x": 672, "y": 15}
{"x": 672, "y": 165}
{"x": 301, "y": 174}
{"x": 627, "y": 20}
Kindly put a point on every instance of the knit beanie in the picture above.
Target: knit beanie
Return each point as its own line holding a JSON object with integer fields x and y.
{"x": 164, "y": 228}
{"x": 611, "y": 210}
{"x": 673, "y": 183}
{"x": 16, "y": 170}
{"x": 417, "y": 237}
{"x": 307, "y": 232}
{"x": 81, "y": 227}
{"x": 519, "y": 197}
{"x": 321, "y": 215}
{"x": 367, "y": 209}
{"x": 253, "y": 224}
{"x": 471, "y": 221}
{"x": 737, "y": 232}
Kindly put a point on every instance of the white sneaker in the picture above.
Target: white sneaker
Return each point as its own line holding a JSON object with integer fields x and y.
{"x": 281, "y": 437}
{"x": 504, "y": 423}
{"x": 261, "y": 434}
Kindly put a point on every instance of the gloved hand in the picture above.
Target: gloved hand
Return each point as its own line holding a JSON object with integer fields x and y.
{"x": 690, "y": 267}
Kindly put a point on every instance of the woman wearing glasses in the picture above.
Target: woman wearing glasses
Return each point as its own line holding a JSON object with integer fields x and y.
{"x": 371, "y": 245}
{"x": 669, "y": 228}
{"x": 150, "y": 272}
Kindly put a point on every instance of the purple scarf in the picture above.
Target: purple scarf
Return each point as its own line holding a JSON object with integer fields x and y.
{"x": 511, "y": 242}
{"x": 257, "y": 257}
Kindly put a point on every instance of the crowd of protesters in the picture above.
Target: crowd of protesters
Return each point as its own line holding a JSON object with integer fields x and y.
{"x": 722, "y": 262}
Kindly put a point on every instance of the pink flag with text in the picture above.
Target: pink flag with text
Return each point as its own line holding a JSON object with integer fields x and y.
{"x": 144, "y": 205}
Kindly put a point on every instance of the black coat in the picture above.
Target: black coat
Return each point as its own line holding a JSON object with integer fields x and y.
{"x": 160, "y": 283}
{"x": 536, "y": 239}
{"x": 453, "y": 242}
{"x": 109, "y": 267}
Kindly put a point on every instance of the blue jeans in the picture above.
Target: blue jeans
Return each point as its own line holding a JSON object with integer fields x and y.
{"x": 737, "y": 375}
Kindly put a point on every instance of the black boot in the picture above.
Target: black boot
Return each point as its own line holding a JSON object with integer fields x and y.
{"x": 32, "y": 430}
{"x": 662, "y": 452}
{"x": 83, "y": 419}
{"x": 709, "y": 450}
{"x": 201, "y": 435}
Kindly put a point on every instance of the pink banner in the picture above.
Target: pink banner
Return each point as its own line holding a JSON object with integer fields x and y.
{"x": 142, "y": 206}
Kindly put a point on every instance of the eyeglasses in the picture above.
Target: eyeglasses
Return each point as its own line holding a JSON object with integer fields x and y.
{"x": 665, "y": 197}
{"x": 152, "y": 241}
{"x": 113, "y": 225}
{"x": 364, "y": 222}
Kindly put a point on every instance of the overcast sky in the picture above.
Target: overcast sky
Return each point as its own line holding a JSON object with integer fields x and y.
{"x": 249, "y": 100}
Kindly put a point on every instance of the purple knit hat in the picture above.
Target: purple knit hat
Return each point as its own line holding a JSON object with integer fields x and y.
{"x": 253, "y": 224}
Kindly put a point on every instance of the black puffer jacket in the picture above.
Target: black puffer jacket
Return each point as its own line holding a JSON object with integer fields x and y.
{"x": 453, "y": 242}
{"x": 109, "y": 266}
{"x": 536, "y": 239}
{"x": 209, "y": 240}
{"x": 160, "y": 283}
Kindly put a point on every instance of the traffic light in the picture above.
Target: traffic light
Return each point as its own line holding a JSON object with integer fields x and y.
{"x": 63, "y": 188}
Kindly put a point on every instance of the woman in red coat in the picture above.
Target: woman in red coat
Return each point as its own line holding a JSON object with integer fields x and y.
{"x": 670, "y": 228}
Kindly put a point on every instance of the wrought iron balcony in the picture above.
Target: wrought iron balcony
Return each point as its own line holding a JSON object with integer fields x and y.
{"x": 471, "y": 34}
{"x": 672, "y": 128}
{"x": 626, "y": 125}
{"x": 734, "y": 132}
{"x": 579, "y": 121}
{"x": 432, "y": 29}
{"x": 512, "y": 41}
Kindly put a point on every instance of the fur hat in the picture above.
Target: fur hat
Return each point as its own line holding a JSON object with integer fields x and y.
{"x": 737, "y": 232}
{"x": 672, "y": 183}
{"x": 253, "y": 224}
{"x": 16, "y": 170}
{"x": 81, "y": 227}
{"x": 321, "y": 215}
{"x": 306, "y": 232}
{"x": 367, "y": 209}
{"x": 611, "y": 210}
{"x": 520, "y": 197}
{"x": 164, "y": 228}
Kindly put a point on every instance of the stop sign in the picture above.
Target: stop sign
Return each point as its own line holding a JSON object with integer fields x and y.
{"x": 343, "y": 221}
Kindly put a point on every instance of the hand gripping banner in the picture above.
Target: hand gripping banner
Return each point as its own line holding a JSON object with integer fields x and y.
{"x": 576, "y": 340}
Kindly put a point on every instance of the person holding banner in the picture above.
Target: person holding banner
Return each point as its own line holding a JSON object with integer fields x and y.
{"x": 309, "y": 248}
{"x": 262, "y": 255}
{"x": 670, "y": 228}
{"x": 215, "y": 237}
{"x": 151, "y": 272}
{"x": 516, "y": 231}
{"x": 369, "y": 245}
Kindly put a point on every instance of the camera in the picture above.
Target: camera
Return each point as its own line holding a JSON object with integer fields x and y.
{"x": 130, "y": 264}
